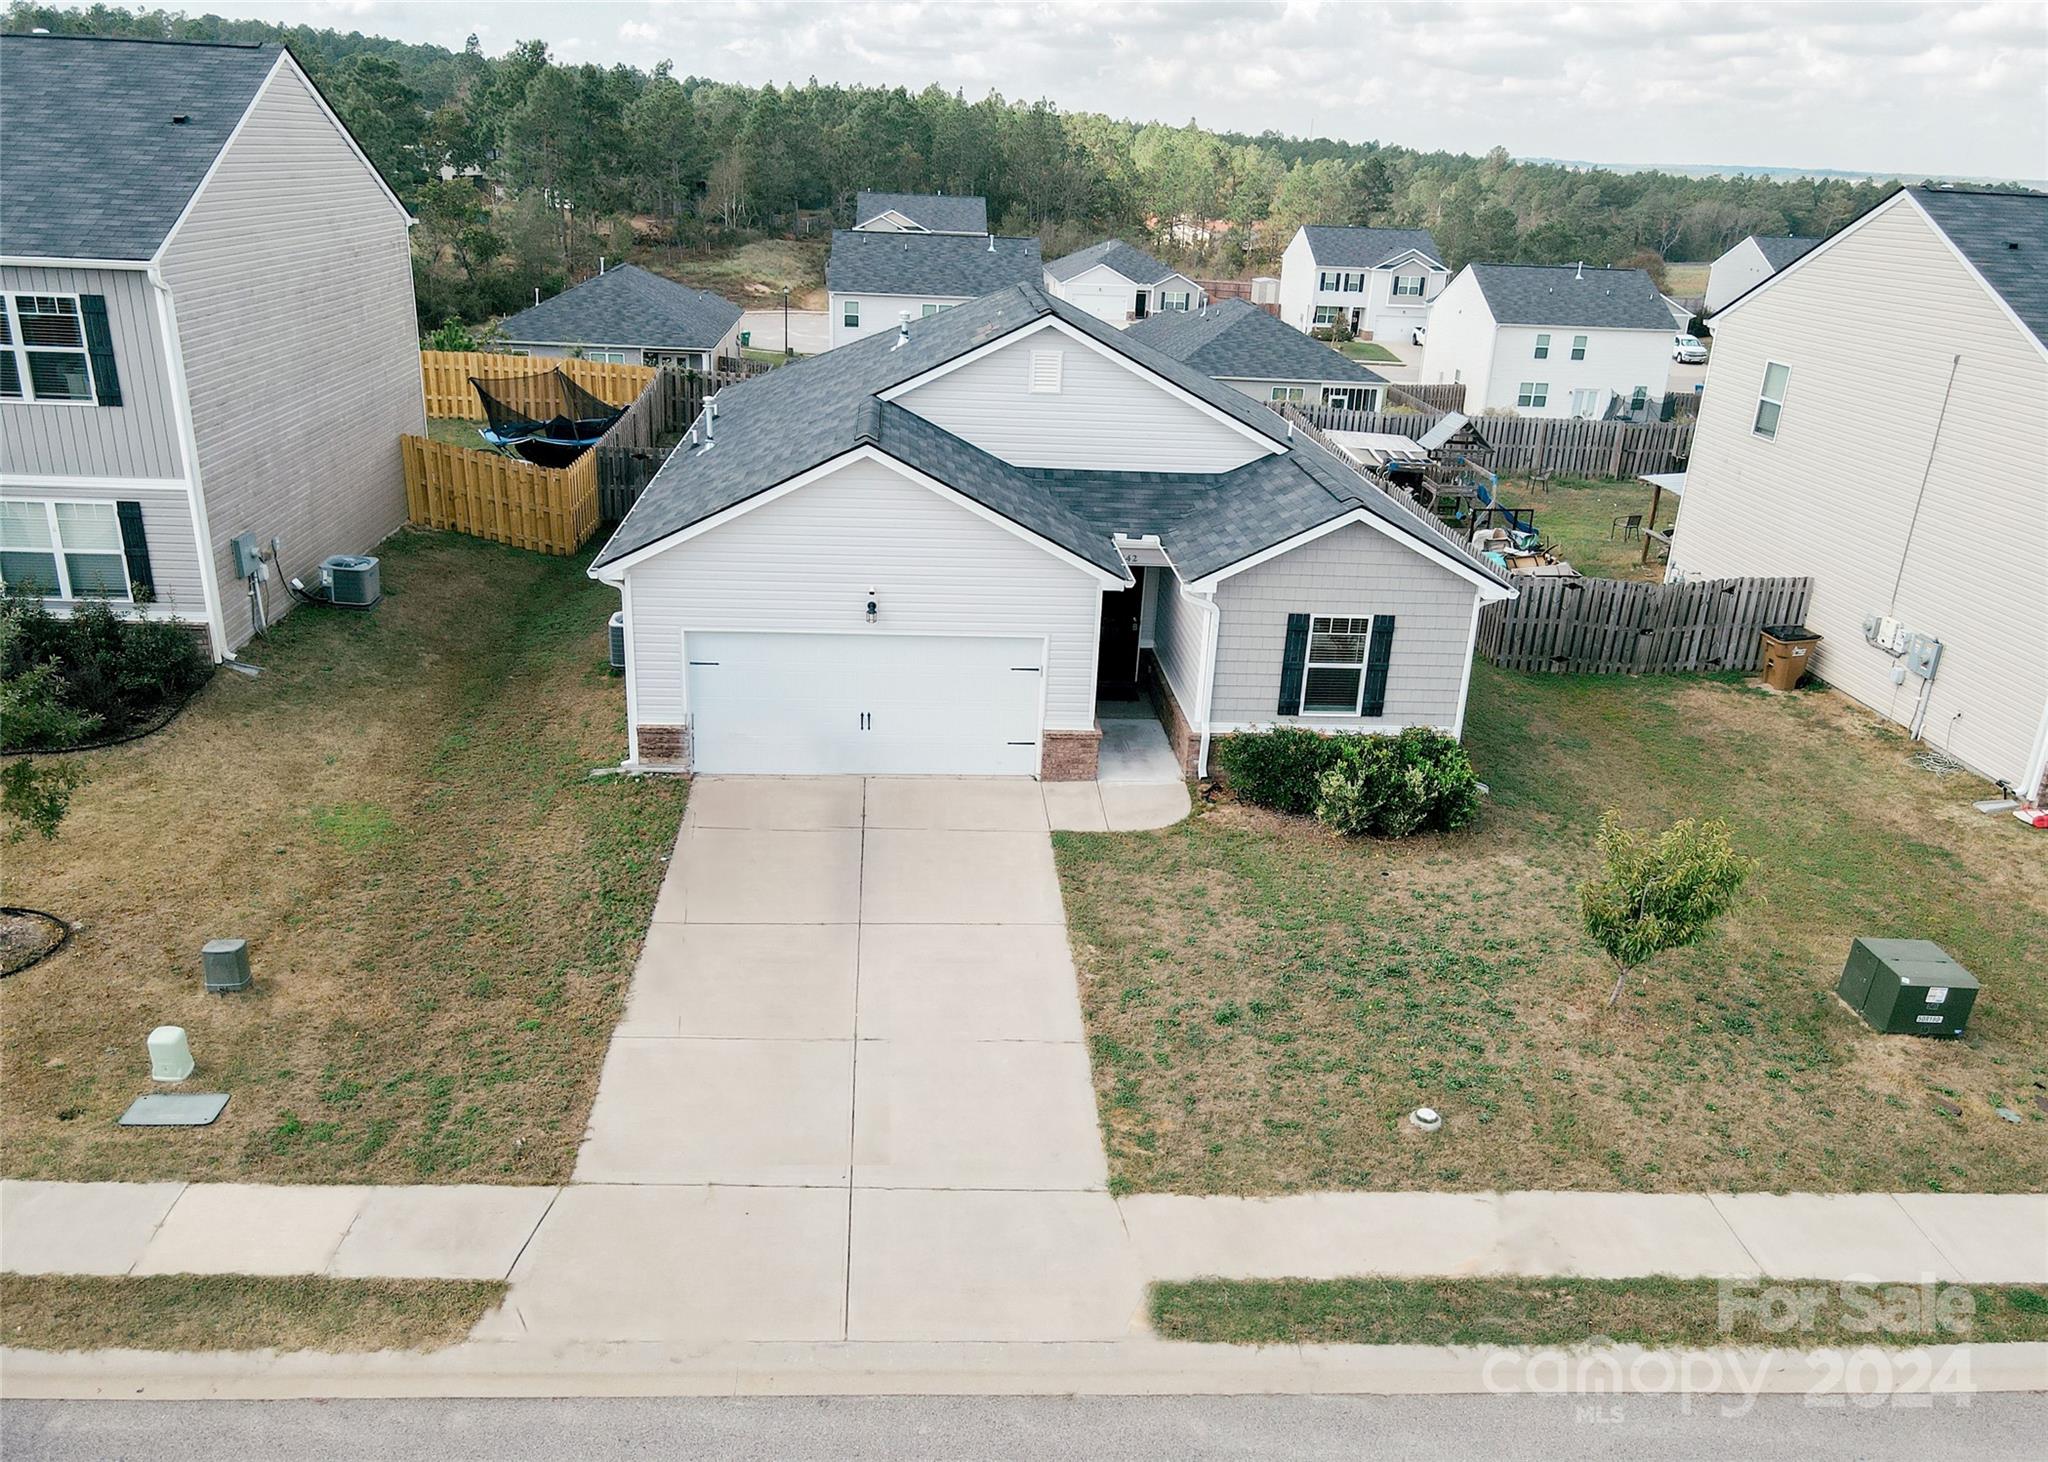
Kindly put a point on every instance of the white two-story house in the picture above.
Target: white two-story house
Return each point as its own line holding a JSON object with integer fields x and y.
{"x": 873, "y": 277}
{"x": 1119, "y": 283}
{"x": 1378, "y": 282}
{"x": 1543, "y": 340}
{"x": 1747, "y": 265}
{"x": 207, "y": 335}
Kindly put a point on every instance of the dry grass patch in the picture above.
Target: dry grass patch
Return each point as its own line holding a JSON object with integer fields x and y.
{"x": 236, "y": 1312}
{"x": 442, "y": 906}
{"x": 1266, "y": 1002}
{"x": 755, "y": 274}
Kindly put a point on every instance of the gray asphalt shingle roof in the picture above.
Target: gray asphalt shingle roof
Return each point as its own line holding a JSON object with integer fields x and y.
{"x": 947, "y": 213}
{"x": 2005, "y": 236}
{"x": 1570, "y": 296}
{"x": 949, "y": 266}
{"x": 1237, "y": 340}
{"x": 1128, "y": 260}
{"x": 785, "y": 422}
{"x": 93, "y": 166}
{"x": 1366, "y": 248}
{"x": 626, "y": 305}
{"x": 1779, "y": 252}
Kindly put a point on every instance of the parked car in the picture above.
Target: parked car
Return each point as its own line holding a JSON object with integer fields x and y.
{"x": 1419, "y": 335}
{"x": 1688, "y": 350}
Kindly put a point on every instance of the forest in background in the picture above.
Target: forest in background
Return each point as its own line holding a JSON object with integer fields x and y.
{"x": 524, "y": 171}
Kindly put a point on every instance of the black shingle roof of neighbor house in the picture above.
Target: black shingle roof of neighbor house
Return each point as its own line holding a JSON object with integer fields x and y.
{"x": 2005, "y": 236}
{"x": 1780, "y": 252}
{"x": 1571, "y": 296}
{"x": 626, "y": 305}
{"x": 1366, "y": 248}
{"x": 107, "y": 140}
{"x": 785, "y": 422}
{"x": 955, "y": 266}
{"x": 1237, "y": 340}
{"x": 1128, "y": 260}
{"x": 945, "y": 213}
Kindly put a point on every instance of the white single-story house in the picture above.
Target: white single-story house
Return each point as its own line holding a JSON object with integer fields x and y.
{"x": 1118, "y": 283}
{"x": 1915, "y": 495}
{"x": 920, "y": 213}
{"x": 1747, "y": 265}
{"x": 932, "y": 551}
{"x": 1242, "y": 346}
{"x": 874, "y": 277}
{"x": 628, "y": 314}
{"x": 1378, "y": 282}
{"x": 1551, "y": 340}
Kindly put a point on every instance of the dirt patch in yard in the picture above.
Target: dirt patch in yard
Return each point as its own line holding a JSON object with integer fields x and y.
{"x": 1266, "y": 1002}
{"x": 442, "y": 906}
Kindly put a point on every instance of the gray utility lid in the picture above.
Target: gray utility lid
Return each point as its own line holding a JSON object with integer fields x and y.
{"x": 175, "y": 1109}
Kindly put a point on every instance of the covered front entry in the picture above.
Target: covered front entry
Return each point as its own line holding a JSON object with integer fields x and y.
{"x": 868, "y": 702}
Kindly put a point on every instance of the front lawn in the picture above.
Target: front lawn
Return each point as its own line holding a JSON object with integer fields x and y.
{"x": 1266, "y": 1002}
{"x": 442, "y": 906}
{"x": 1369, "y": 352}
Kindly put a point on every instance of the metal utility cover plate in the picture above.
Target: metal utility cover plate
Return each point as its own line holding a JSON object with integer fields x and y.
{"x": 175, "y": 1109}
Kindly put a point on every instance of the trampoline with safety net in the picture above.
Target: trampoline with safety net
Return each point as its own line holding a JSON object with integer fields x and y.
{"x": 546, "y": 418}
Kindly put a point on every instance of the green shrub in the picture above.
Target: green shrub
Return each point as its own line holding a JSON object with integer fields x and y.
{"x": 1281, "y": 768}
{"x": 1657, "y": 893}
{"x": 1391, "y": 786}
{"x": 65, "y": 680}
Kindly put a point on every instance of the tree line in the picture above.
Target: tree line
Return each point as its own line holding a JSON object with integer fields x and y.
{"x": 523, "y": 170}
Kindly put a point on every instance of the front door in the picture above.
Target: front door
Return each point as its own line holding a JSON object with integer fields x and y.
{"x": 1116, "y": 662}
{"x": 1138, "y": 308}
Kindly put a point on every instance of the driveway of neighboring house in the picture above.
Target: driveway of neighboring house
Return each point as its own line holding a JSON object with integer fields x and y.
{"x": 850, "y": 1097}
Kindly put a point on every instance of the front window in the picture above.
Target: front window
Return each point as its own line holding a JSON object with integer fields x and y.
{"x": 927, "y": 311}
{"x": 1327, "y": 314}
{"x": 1352, "y": 398}
{"x": 1639, "y": 399}
{"x": 1533, "y": 394}
{"x": 1409, "y": 284}
{"x": 1543, "y": 347}
{"x": 63, "y": 550}
{"x": 1354, "y": 284}
{"x": 1173, "y": 299}
{"x": 1329, "y": 280}
{"x": 1288, "y": 393}
{"x": 44, "y": 341}
{"x": 1578, "y": 347}
{"x": 605, "y": 357}
{"x": 1335, "y": 678}
{"x": 1770, "y": 402}
{"x": 850, "y": 315}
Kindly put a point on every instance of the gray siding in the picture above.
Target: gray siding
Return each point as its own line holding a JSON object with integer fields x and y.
{"x": 1355, "y": 570}
{"x": 293, "y": 285}
{"x": 138, "y": 438}
{"x": 166, "y": 524}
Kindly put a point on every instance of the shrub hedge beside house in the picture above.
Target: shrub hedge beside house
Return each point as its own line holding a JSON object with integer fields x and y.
{"x": 93, "y": 676}
{"x": 1357, "y": 783}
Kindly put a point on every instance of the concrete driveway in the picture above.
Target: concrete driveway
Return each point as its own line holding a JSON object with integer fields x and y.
{"x": 850, "y": 1097}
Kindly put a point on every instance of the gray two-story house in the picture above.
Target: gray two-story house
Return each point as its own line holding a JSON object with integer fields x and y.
{"x": 207, "y": 333}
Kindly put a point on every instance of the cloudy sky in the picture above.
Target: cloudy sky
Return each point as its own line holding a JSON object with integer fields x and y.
{"x": 1943, "y": 89}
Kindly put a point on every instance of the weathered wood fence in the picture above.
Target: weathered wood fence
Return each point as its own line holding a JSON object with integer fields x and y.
{"x": 490, "y": 495}
{"x": 629, "y": 458}
{"x": 444, "y": 374}
{"x": 1614, "y": 627}
{"x": 1539, "y": 444}
{"x": 1438, "y": 397}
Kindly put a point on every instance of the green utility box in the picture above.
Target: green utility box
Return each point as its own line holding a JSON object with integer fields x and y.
{"x": 1907, "y": 987}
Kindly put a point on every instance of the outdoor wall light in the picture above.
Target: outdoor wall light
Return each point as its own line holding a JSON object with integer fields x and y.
{"x": 873, "y": 612}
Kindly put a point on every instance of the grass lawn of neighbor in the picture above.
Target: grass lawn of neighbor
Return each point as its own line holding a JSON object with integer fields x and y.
{"x": 1687, "y": 280}
{"x": 442, "y": 905}
{"x": 1266, "y": 1002}
{"x": 1577, "y": 516}
{"x": 1369, "y": 352}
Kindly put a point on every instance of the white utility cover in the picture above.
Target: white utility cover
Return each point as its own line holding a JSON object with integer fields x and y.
{"x": 868, "y": 703}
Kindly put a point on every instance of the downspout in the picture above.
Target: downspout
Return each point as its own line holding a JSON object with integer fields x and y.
{"x": 1212, "y": 617}
{"x": 188, "y": 448}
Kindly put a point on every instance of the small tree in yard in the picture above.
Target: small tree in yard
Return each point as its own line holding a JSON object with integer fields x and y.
{"x": 35, "y": 798}
{"x": 1658, "y": 893}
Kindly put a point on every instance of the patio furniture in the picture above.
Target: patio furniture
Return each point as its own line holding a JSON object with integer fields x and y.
{"x": 1631, "y": 526}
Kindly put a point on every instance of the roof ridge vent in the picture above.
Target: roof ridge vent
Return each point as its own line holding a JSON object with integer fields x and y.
{"x": 868, "y": 420}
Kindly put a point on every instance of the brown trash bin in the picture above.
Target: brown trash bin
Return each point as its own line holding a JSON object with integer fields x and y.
{"x": 1788, "y": 654}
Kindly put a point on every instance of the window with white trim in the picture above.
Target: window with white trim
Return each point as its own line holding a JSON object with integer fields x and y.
{"x": 1543, "y": 347}
{"x": 850, "y": 314}
{"x": 46, "y": 349}
{"x": 63, "y": 550}
{"x": 1407, "y": 284}
{"x": 1327, "y": 314}
{"x": 1770, "y": 400}
{"x": 605, "y": 357}
{"x": 1333, "y": 683}
{"x": 1171, "y": 300}
{"x": 1638, "y": 399}
{"x": 1288, "y": 393}
{"x": 927, "y": 311}
{"x": 1578, "y": 347}
{"x": 1533, "y": 393}
{"x": 1352, "y": 398}
{"x": 1329, "y": 280}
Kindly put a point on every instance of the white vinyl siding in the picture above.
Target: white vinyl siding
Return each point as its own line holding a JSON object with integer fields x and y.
{"x": 812, "y": 559}
{"x": 1178, "y": 630}
{"x": 873, "y": 314}
{"x": 292, "y": 278}
{"x": 1107, "y": 415}
{"x": 1770, "y": 400}
{"x": 1355, "y": 571}
{"x": 1834, "y": 495}
{"x": 1112, "y": 299}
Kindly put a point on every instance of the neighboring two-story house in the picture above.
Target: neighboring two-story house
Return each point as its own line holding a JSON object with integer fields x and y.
{"x": 208, "y": 330}
{"x": 933, "y": 550}
{"x": 873, "y": 278}
{"x": 1118, "y": 283}
{"x": 1915, "y": 496}
{"x": 631, "y": 315}
{"x": 1747, "y": 265}
{"x": 1242, "y": 346}
{"x": 1551, "y": 340}
{"x": 1378, "y": 282}
{"x": 920, "y": 213}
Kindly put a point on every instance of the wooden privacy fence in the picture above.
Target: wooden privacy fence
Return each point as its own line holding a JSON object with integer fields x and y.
{"x": 489, "y": 495}
{"x": 1614, "y": 627}
{"x": 1524, "y": 444}
{"x": 633, "y": 451}
{"x": 1440, "y": 397}
{"x": 445, "y": 376}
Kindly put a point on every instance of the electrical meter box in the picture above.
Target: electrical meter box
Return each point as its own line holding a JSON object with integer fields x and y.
{"x": 1907, "y": 987}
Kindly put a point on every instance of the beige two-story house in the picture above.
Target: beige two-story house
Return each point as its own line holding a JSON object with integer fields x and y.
{"x": 207, "y": 347}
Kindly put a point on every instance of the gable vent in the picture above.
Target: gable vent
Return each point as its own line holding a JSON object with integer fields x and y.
{"x": 1045, "y": 370}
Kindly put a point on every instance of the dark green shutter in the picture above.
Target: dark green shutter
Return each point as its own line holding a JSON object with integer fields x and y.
{"x": 1293, "y": 663}
{"x": 99, "y": 344}
{"x": 135, "y": 548}
{"x": 1376, "y": 665}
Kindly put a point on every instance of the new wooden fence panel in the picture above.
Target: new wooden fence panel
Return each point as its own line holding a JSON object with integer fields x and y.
{"x": 444, "y": 374}
{"x": 1614, "y": 627}
{"x": 1531, "y": 444}
{"x": 488, "y": 495}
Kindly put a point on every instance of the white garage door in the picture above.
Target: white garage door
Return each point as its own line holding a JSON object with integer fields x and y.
{"x": 878, "y": 703}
